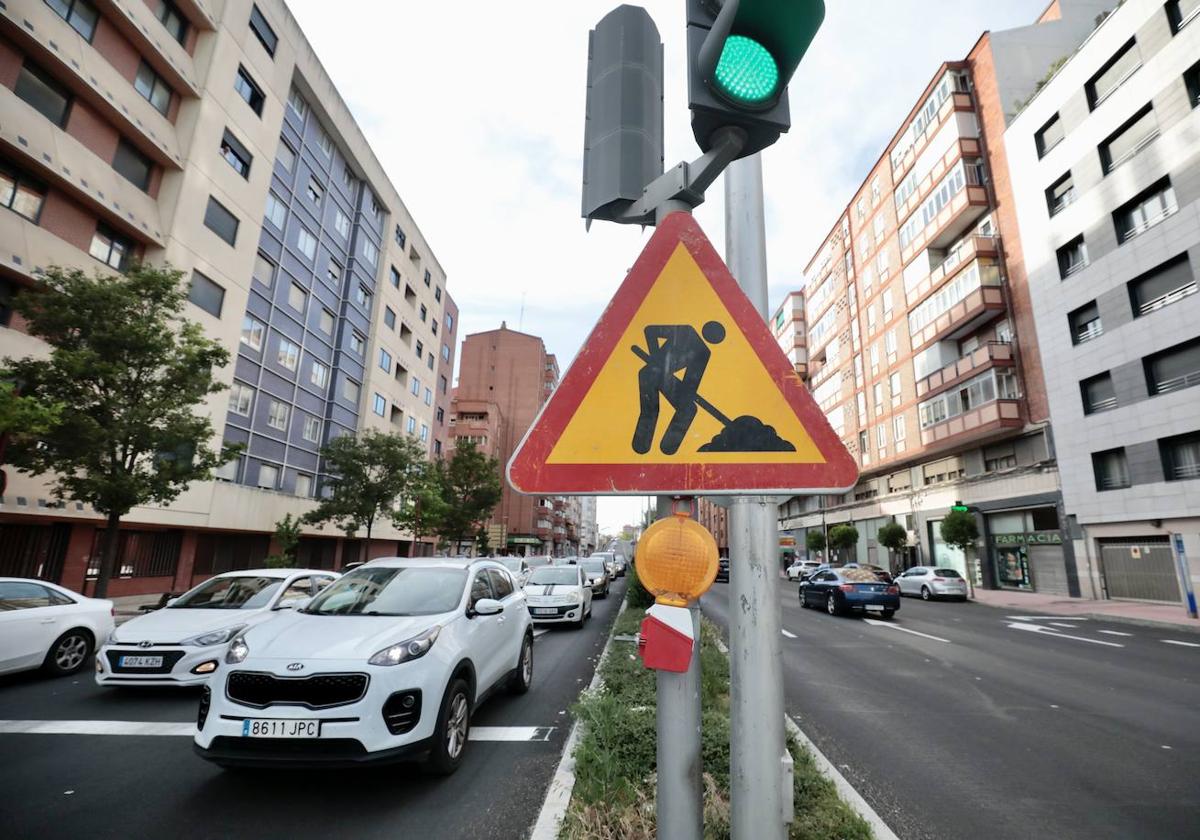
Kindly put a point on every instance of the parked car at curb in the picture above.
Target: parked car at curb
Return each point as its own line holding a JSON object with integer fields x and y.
{"x": 389, "y": 663}
{"x": 559, "y": 595}
{"x": 930, "y": 583}
{"x": 800, "y": 568}
{"x": 182, "y": 644}
{"x": 839, "y": 591}
{"x": 44, "y": 625}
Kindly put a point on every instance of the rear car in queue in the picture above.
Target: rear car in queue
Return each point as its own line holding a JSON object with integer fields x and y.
{"x": 596, "y": 571}
{"x": 839, "y": 591}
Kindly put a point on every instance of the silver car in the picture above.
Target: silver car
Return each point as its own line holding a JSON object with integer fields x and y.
{"x": 930, "y": 582}
{"x": 519, "y": 568}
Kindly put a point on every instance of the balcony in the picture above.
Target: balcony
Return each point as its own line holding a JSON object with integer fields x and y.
{"x": 987, "y": 419}
{"x": 166, "y": 55}
{"x": 544, "y": 533}
{"x": 951, "y": 222}
{"x": 966, "y": 252}
{"x": 957, "y": 101}
{"x": 976, "y": 309}
{"x": 965, "y": 147}
{"x": 992, "y": 354}
{"x": 560, "y": 504}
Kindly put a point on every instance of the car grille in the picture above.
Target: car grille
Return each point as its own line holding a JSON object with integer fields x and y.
{"x": 402, "y": 711}
{"x": 170, "y": 657}
{"x": 320, "y": 691}
{"x": 283, "y": 749}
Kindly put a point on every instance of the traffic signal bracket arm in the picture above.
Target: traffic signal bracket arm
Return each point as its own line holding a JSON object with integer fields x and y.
{"x": 686, "y": 182}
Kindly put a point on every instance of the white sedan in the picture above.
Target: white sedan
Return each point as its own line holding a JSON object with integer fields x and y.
{"x": 182, "y": 643}
{"x": 559, "y": 594}
{"x": 43, "y": 625}
{"x": 389, "y": 662}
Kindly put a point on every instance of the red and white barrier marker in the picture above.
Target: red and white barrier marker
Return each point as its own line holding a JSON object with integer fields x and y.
{"x": 666, "y": 642}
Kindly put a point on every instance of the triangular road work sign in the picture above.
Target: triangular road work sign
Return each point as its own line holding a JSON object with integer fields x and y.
{"x": 681, "y": 389}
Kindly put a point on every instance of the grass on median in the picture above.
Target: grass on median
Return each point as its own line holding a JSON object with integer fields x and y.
{"x": 613, "y": 797}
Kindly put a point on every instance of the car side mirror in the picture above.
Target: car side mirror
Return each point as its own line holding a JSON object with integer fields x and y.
{"x": 171, "y": 602}
{"x": 293, "y": 604}
{"x": 488, "y": 606}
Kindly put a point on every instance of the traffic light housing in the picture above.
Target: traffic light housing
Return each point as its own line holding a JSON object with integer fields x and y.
{"x": 741, "y": 56}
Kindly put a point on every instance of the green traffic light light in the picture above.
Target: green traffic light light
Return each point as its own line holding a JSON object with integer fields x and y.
{"x": 747, "y": 72}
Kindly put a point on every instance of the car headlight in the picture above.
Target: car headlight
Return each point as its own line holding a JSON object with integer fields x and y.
{"x": 238, "y": 651}
{"x": 214, "y": 637}
{"x": 410, "y": 649}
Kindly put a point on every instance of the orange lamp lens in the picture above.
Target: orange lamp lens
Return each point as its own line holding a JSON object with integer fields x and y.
{"x": 677, "y": 560}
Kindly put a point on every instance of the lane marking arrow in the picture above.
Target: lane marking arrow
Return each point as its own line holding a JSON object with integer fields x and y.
{"x": 1046, "y": 631}
{"x": 877, "y": 623}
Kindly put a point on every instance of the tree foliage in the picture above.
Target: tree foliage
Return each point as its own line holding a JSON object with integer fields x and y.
{"x": 959, "y": 530}
{"x": 814, "y": 541}
{"x": 287, "y": 536}
{"x": 892, "y": 536}
{"x": 118, "y": 394}
{"x": 842, "y": 538}
{"x": 468, "y": 489}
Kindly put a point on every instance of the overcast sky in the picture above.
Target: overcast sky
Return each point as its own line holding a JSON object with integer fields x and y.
{"x": 476, "y": 111}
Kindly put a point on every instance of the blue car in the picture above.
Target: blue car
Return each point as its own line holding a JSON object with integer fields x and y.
{"x": 839, "y": 591}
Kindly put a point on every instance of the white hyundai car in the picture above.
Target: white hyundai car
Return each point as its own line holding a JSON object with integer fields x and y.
{"x": 182, "y": 644}
{"x": 559, "y": 595}
{"x": 44, "y": 625}
{"x": 388, "y": 663}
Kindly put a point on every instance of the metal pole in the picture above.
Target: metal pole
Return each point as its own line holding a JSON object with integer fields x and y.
{"x": 757, "y": 743}
{"x": 679, "y": 807}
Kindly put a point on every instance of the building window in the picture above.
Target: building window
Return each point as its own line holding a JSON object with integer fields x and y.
{"x": 357, "y": 345}
{"x": 341, "y": 223}
{"x": 333, "y": 271}
{"x": 1181, "y": 12}
{"x": 250, "y": 92}
{"x": 324, "y": 141}
{"x": 350, "y": 391}
{"x": 416, "y": 386}
{"x": 109, "y": 248}
{"x": 385, "y": 360}
{"x": 297, "y": 104}
{"x": 315, "y": 191}
{"x": 173, "y": 21}
{"x": 263, "y": 31}
{"x": 394, "y": 277}
{"x": 297, "y": 297}
{"x": 419, "y": 349}
{"x": 898, "y": 428}
{"x": 43, "y": 93}
{"x": 303, "y": 485}
{"x": 370, "y": 252}
{"x": 306, "y": 243}
{"x": 240, "y": 398}
{"x": 20, "y": 194}
{"x": 424, "y": 313}
{"x": 401, "y": 239}
{"x": 1060, "y": 194}
{"x": 252, "y": 332}
{"x": 288, "y": 355}
{"x": 1180, "y": 456}
{"x": 379, "y": 405}
{"x": 440, "y": 416}
{"x": 264, "y": 270}
{"x": 132, "y": 165}
{"x": 412, "y": 425}
{"x": 424, "y": 433}
{"x": 1049, "y": 136}
{"x": 80, "y": 14}
{"x": 1111, "y": 469}
{"x": 1163, "y": 285}
{"x": 286, "y": 155}
{"x": 1191, "y": 79}
{"x": 437, "y": 294}
{"x": 312, "y": 429}
{"x": 449, "y": 322}
{"x": 1123, "y": 144}
{"x": 151, "y": 85}
{"x": 428, "y": 277}
{"x": 445, "y": 353}
{"x": 1098, "y": 394}
{"x": 433, "y": 325}
{"x": 1072, "y": 257}
{"x": 1145, "y": 210}
{"x": 276, "y": 210}
{"x": 429, "y": 362}
{"x": 268, "y": 477}
{"x": 325, "y": 322}
{"x": 428, "y": 397}
{"x": 389, "y": 318}
{"x": 1113, "y": 74}
{"x": 1173, "y": 369}
{"x": 437, "y": 447}
{"x": 1085, "y": 323}
{"x": 989, "y": 386}
{"x": 362, "y": 297}
{"x": 220, "y": 221}
{"x": 319, "y": 375}
{"x": 277, "y": 415}
{"x": 206, "y": 294}
{"x": 235, "y": 154}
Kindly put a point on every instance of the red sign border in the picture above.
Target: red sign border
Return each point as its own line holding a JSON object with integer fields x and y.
{"x": 529, "y": 473}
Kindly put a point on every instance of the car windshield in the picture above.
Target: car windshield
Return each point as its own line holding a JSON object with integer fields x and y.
{"x": 552, "y": 576}
{"x": 387, "y": 590}
{"x": 230, "y": 593}
{"x": 590, "y": 565}
{"x": 946, "y": 573}
{"x": 512, "y": 565}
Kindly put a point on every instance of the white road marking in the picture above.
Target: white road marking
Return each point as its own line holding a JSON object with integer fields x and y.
{"x": 1060, "y": 624}
{"x": 1047, "y": 617}
{"x": 787, "y": 634}
{"x": 1184, "y": 644}
{"x": 877, "y": 623}
{"x": 542, "y": 632}
{"x": 94, "y": 727}
{"x": 511, "y": 733}
{"x": 1113, "y": 633}
{"x": 1046, "y": 631}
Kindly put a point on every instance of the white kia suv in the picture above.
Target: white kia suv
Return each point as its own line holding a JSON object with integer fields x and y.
{"x": 388, "y": 663}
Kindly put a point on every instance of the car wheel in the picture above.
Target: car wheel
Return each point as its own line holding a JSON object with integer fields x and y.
{"x": 522, "y": 680}
{"x": 887, "y": 613}
{"x": 926, "y": 595}
{"x": 803, "y": 600}
{"x": 68, "y": 653}
{"x": 452, "y": 729}
{"x": 831, "y": 605}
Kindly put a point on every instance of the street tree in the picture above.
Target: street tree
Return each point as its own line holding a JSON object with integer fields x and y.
{"x": 893, "y": 537}
{"x": 287, "y": 537}
{"x": 842, "y": 538}
{"x": 370, "y": 478}
{"x": 960, "y": 530}
{"x": 468, "y": 484}
{"x": 118, "y": 393}
{"x": 814, "y": 541}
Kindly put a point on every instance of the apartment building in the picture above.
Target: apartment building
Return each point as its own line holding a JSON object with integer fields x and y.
{"x": 589, "y": 536}
{"x": 1105, "y": 168}
{"x": 505, "y": 377}
{"x": 209, "y": 137}
{"x": 715, "y": 519}
{"x": 787, "y": 325}
{"x": 922, "y": 349}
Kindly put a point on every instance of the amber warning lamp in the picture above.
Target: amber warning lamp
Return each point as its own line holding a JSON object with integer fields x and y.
{"x": 677, "y": 560}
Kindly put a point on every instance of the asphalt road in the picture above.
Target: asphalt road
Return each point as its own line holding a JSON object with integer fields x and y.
{"x": 1003, "y": 726}
{"x": 126, "y": 786}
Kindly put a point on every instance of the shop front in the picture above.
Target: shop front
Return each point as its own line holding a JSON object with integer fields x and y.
{"x": 1026, "y": 549}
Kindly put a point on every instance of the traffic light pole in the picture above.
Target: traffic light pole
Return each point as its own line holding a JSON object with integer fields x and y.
{"x": 759, "y": 806}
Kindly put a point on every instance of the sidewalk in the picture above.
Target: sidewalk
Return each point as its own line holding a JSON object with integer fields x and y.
{"x": 1129, "y": 612}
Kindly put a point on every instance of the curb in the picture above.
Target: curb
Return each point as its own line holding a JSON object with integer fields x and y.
{"x": 825, "y": 767}
{"x": 558, "y": 795}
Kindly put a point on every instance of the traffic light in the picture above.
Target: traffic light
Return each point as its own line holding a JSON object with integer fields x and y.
{"x": 741, "y": 56}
